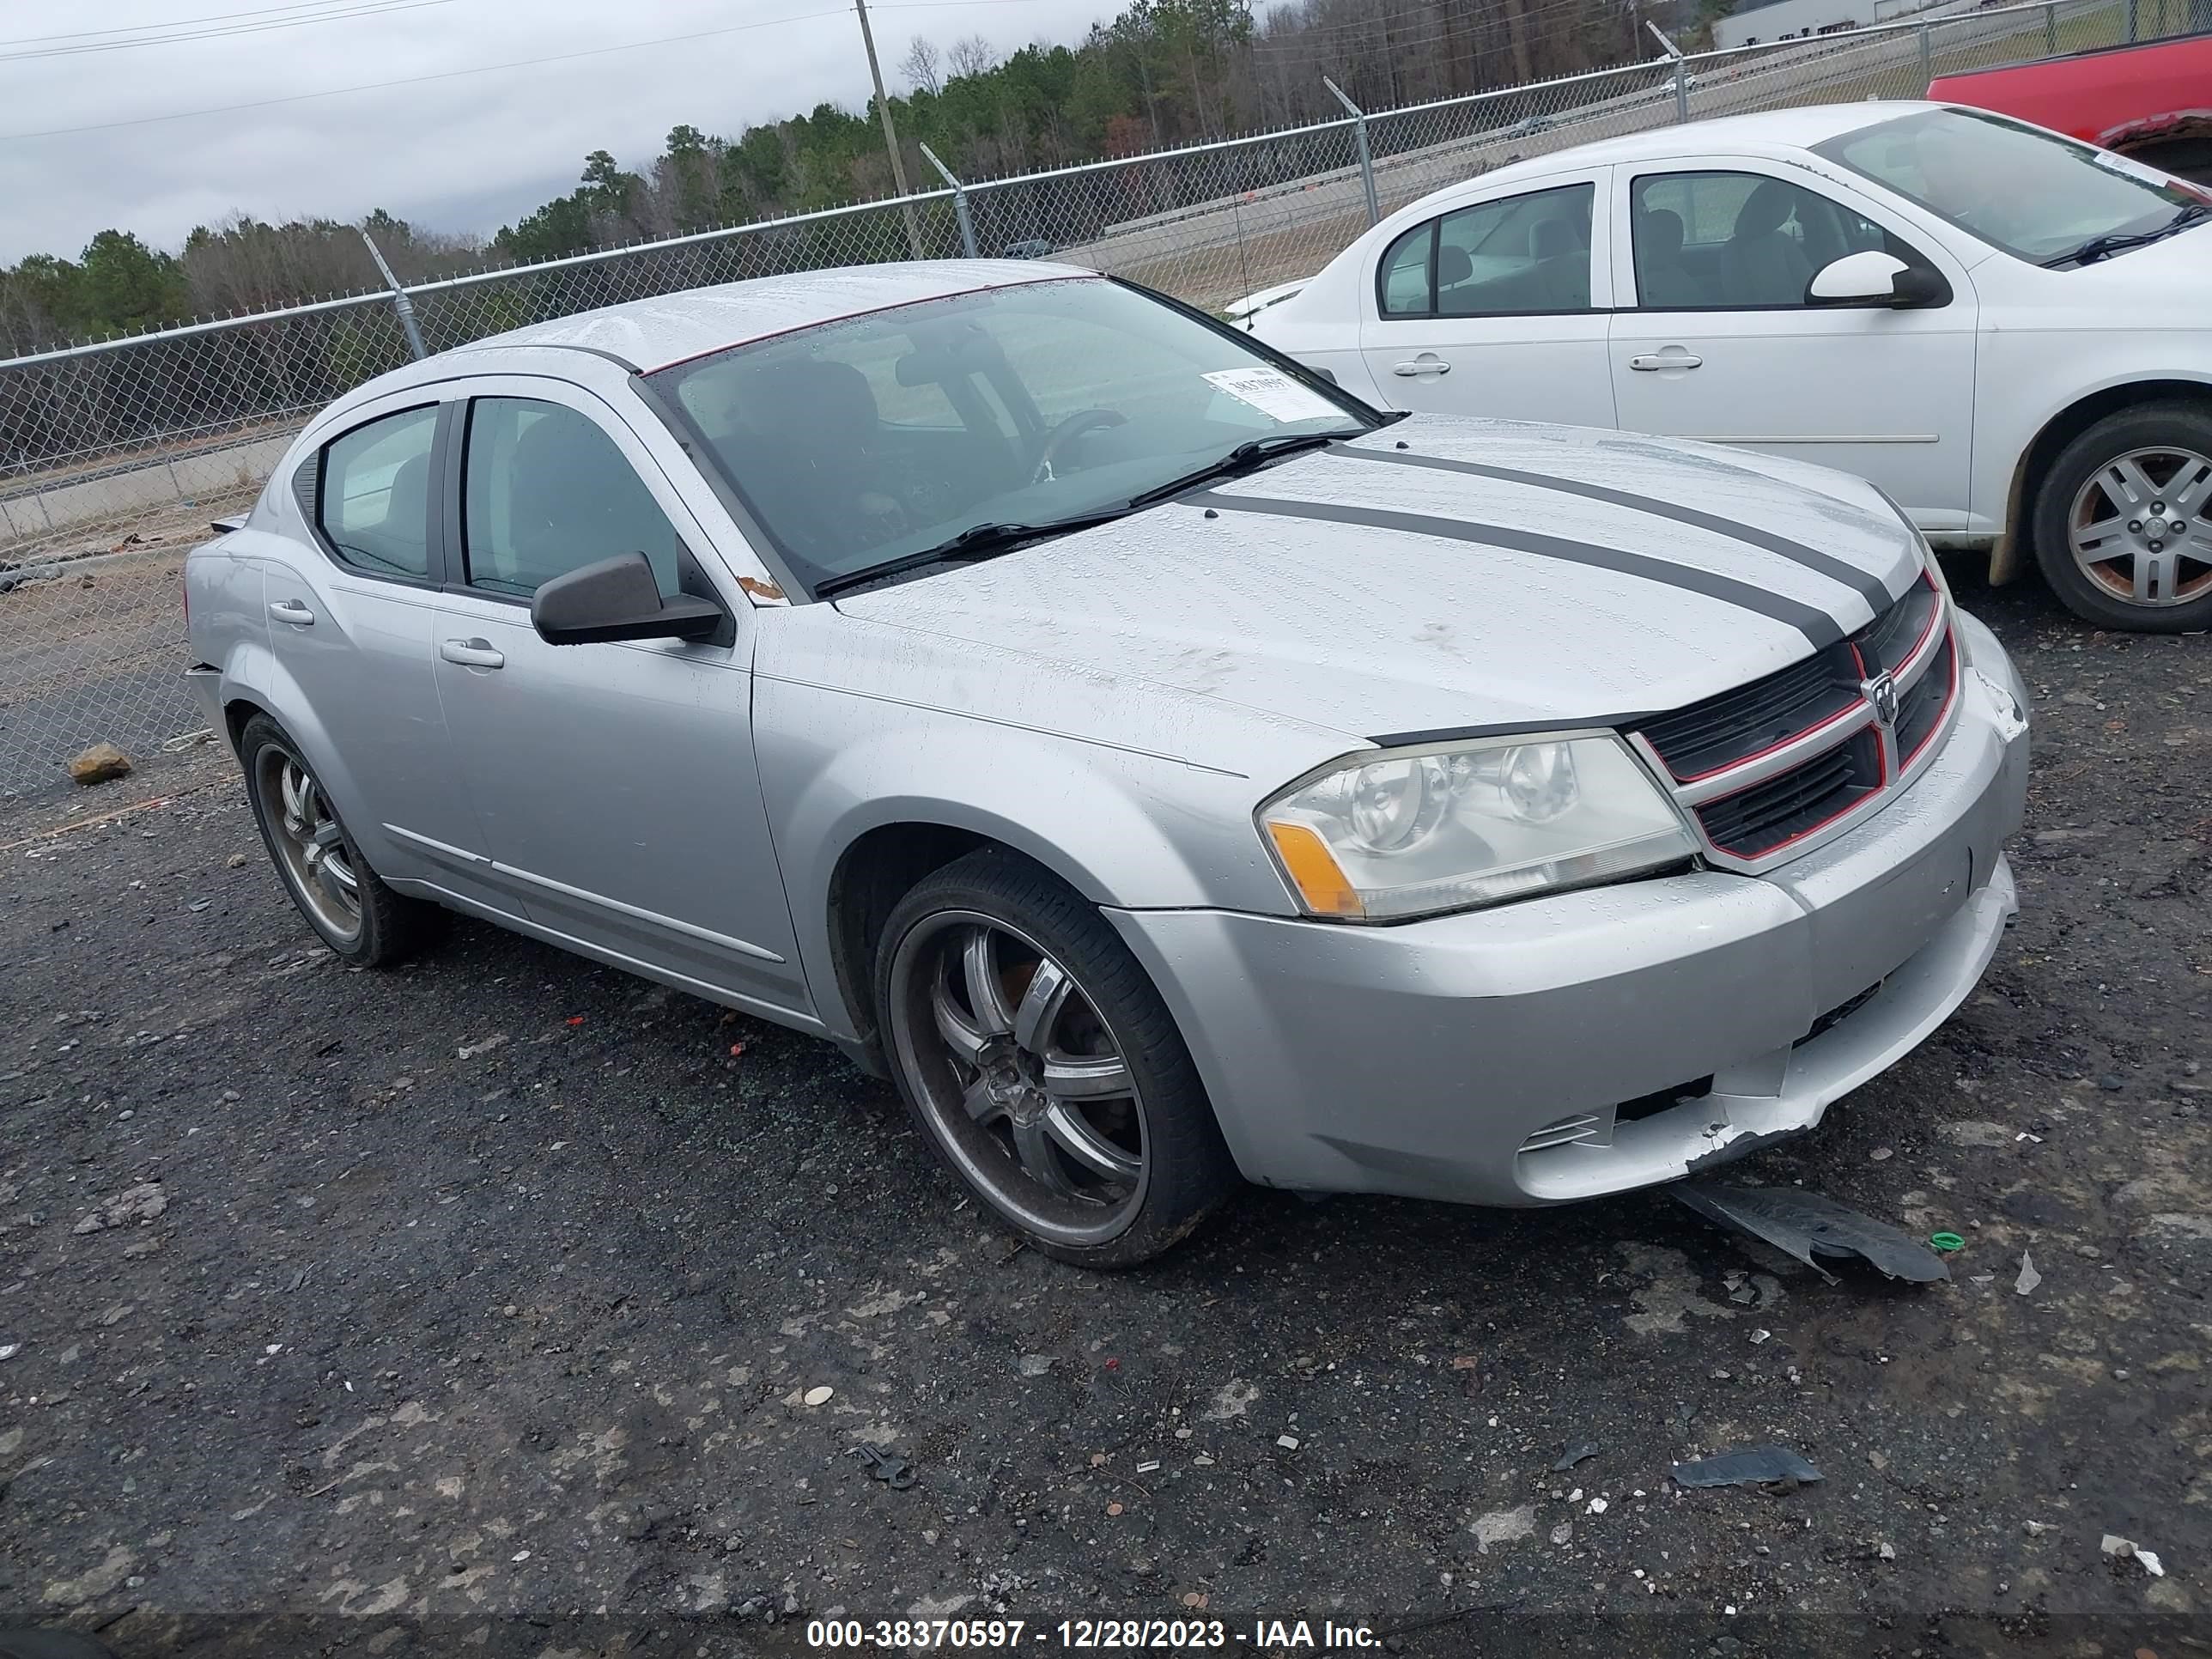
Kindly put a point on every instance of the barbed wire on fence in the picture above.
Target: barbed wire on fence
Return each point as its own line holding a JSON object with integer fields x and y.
{"x": 113, "y": 456}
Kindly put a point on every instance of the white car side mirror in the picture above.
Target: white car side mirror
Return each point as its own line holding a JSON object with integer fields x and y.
{"x": 1874, "y": 278}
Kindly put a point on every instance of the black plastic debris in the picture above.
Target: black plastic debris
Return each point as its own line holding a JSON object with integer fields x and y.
{"x": 887, "y": 1467}
{"x": 1806, "y": 1225}
{"x": 1572, "y": 1456}
{"x": 1755, "y": 1466}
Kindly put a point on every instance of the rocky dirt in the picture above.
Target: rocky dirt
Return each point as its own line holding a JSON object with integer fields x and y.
{"x": 477, "y": 1308}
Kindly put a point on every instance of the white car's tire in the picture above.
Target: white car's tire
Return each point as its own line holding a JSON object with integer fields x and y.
{"x": 2123, "y": 520}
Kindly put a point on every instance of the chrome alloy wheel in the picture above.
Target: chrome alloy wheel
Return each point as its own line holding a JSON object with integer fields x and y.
{"x": 1023, "y": 1083}
{"x": 2142, "y": 526}
{"x": 309, "y": 843}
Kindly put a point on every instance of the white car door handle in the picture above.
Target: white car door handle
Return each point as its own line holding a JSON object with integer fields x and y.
{"x": 1665, "y": 360}
{"x": 1422, "y": 364}
{"x": 472, "y": 654}
{"x": 291, "y": 611}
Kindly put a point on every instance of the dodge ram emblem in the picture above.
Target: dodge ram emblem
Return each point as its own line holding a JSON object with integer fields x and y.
{"x": 1881, "y": 692}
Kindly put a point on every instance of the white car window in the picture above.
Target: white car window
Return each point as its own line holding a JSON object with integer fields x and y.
{"x": 373, "y": 504}
{"x": 1518, "y": 255}
{"x": 1404, "y": 284}
{"x": 1739, "y": 240}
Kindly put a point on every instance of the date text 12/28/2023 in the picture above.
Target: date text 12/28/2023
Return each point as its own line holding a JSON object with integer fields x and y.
{"x": 1086, "y": 1635}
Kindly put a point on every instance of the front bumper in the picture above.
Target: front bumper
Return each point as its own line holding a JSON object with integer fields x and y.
{"x": 1598, "y": 1040}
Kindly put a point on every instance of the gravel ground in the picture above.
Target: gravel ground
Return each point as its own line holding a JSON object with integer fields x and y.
{"x": 475, "y": 1309}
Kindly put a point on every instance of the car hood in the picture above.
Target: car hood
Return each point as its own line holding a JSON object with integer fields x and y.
{"x": 1439, "y": 575}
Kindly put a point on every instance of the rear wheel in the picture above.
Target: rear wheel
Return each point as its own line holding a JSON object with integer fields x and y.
{"x": 330, "y": 883}
{"x": 2124, "y": 521}
{"x": 1043, "y": 1066}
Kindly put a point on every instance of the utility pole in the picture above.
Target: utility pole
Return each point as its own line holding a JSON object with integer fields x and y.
{"x": 890, "y": 133}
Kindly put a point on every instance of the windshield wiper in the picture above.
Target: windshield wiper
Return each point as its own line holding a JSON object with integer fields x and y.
{"x": 1245, "y": 455}
{"x": 984, "y": 541}
{"x": 2097, "y": 247}
{"x": 978, "y": 541}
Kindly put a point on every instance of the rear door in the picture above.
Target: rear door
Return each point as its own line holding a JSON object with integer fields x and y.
{"x": 1715, "y": 338}
{"x": 349, "y": 626}
{"x": 616, "y": 782}
{"x": 1498, "y": 308}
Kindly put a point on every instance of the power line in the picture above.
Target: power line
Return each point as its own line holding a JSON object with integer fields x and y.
{"x": 371, "y": 8}
{"x": 181, "y": 22}
{"x": 491, "y": 69}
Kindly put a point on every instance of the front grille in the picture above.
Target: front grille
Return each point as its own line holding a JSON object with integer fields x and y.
{"x": 1741, "y": 725}
{"x": 1755, "y": 822}
{"x": 1703, "y": 747}
{"x": 1726, "y": 729}
{"x": 1920, "y": 710}
{"x": 1886, "y": 644}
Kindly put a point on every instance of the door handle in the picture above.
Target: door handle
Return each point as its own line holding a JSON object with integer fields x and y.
{"x": 472, "y": 654}
{"x": 1424, "y": 364}
{"x": 291, "y": 611}
{"x": 1665, "y": 360}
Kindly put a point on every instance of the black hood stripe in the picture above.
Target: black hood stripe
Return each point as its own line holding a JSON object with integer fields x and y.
{"x": 1866, "y": 584}
{"x": 1818, "y": 627}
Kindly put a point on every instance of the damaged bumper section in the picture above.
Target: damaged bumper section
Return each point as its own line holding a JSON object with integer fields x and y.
{"x": 1593, "y": 1041}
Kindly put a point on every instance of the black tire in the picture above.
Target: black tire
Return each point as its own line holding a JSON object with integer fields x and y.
{"x": 387, "y": 928}
{"x": 1187, "y": 1169}
{"x": 2183, "y": 427}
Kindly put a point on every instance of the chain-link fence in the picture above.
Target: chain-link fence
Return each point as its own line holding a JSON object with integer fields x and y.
{"x": 113, "y": 457}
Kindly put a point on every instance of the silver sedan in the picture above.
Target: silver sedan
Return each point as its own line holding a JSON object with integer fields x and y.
{"x": 1161, "y": 765}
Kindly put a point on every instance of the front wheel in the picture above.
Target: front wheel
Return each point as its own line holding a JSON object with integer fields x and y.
{"x": 1042, "y": 1064}
{"x": 2124, "y": 521}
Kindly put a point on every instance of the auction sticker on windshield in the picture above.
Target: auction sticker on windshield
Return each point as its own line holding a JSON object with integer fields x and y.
{"x": 1272, "y": 392}
{"x": 2128, "y": 168}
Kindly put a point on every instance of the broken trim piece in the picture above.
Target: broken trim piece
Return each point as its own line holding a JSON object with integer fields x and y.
{"x": 1805, "y": 1224}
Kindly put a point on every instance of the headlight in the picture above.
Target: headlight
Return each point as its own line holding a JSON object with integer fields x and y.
{"x": 1410, "y": 831}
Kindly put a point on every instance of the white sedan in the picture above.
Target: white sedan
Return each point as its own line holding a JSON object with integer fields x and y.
{"x": 2007, "y": 332}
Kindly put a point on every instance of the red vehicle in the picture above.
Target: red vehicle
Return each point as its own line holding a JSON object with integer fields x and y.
{"x": 2152, "y": 101}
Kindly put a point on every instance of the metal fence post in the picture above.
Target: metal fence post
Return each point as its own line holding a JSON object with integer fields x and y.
{"x": 2051, "y": 29}
{"x": 2135, "y": 20}
{"x": 400, "y": 303}
{"x": 959, "y": 201}
{"x": 1681, "y": 71}
{"x": 1366, "y": 158}
{"x": 1927, "y": 58}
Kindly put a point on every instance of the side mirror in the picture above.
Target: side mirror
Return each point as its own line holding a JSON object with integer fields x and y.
{"x": 618, "y": 598}
{"x": 1876, "y": 278}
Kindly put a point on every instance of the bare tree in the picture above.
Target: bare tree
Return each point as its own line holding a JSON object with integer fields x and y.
{"x": 970, "y": 55}
{"x": 919, "y": 67}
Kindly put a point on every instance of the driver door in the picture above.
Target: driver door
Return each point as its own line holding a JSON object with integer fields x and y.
{"x": 615, "y": 783}
{"x": 1714, "y": 338}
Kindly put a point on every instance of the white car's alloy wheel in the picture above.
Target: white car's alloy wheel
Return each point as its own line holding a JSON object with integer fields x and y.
{"x": 2139, "y": 528}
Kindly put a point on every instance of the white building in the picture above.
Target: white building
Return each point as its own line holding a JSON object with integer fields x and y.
{"x": 1762, "y": 22}
{"x": 1758, "y": 22}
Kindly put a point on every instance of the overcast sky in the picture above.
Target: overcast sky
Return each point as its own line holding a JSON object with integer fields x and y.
{"x": 464, "y": 153}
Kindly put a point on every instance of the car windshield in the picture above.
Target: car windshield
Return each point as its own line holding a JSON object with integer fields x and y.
{"x": 877, "y": 440}
{"x": 2032, "y": 193}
